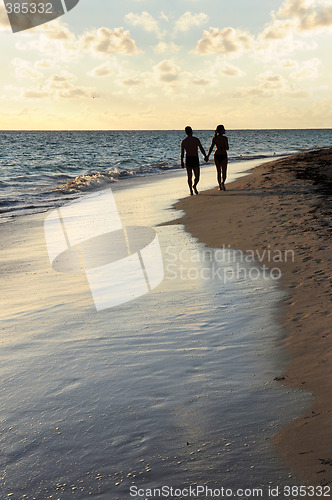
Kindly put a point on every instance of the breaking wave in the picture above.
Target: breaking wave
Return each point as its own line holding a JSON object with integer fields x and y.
{"x": 96, "y": 180}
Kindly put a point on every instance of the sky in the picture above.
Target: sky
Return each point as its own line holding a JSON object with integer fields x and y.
{"x": 152, "y": 65}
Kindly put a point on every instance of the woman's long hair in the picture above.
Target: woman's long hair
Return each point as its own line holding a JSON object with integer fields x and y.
{"x": 219, "y": 130}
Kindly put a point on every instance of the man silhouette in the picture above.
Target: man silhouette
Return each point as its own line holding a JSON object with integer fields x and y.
{"x": 190, "y": 145}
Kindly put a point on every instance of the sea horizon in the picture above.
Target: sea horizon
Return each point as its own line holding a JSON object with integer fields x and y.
{"x": 156, "y": 129}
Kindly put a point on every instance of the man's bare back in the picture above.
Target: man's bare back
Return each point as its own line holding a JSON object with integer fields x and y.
{"x": 191, "y": 144}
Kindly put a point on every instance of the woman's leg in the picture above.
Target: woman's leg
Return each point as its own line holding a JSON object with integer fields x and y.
{"x": 224, "y": 172}
{"x": 218, "y": 167}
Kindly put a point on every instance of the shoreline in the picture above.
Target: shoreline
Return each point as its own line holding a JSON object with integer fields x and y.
{"x": 284, "y": 205}
{"x": 8, "y": 215}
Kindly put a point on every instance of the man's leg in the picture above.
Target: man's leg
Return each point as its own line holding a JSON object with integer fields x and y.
{"x": 196, "y": 181}
{"x": 190, "y": 177}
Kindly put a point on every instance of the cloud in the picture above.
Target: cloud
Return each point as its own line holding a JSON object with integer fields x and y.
{"x": 187, "y": 20}
{"x": 306, "y": 69}
{"x": 111, "y": 66}
{"x": 163, "y": 16}
{"x": 60, "y": 80}
{"x": 320, "y": 18}
{"x": 296, "y": 93}
{"x": 271, "y": 81}
{"x": 309, "y": 14}
{"x": 226, "y": 41}
{"x": 107, "y": 41}
{"x": 132, "y": 82}
{"x": 253, "y": 92}
{"x": 270, "y": 85}
{"x": 148, "y": 22}
{"x": 167, "y": 71}
{"x": 277, "y": 30}
{"x": 56, "y": 40}
{"x": 230, "y": 70}
{"x": 25, "y": 69}
{"x": 53, "y": 39}
{"x": 284, "y": 34}
{"x": 295, "y": 8}
{"x": 72, "y": 92}
{"x": 201, "y": 82}
{"x": 59, "y": 86}
{"x": 280, "y": 39}
{"x": 163, "y": 47}
{"x": 44, "y": 63}
{"x": 35, "y": 93}
{"x": 55, "y": 30}
{"x": 221, "y": 67}
{"x": 102, "y": 70}
{"x": 288, "y": 63}
{"x": 296, "y": 16}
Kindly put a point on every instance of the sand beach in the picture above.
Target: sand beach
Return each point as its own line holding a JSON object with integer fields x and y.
{"x": 282, "y": 213}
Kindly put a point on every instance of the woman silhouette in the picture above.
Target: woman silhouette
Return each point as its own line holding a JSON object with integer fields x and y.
{"x": 220, "y": 156}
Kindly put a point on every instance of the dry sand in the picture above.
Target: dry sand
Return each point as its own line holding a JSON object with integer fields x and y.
{"x": 286, "y": 205}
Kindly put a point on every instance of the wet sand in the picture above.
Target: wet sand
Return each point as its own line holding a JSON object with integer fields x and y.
{"x": 174, "y": 388}
{"x": 284, "y": 208}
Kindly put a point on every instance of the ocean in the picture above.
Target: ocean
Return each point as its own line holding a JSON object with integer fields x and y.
{"x": 40, "y": 170}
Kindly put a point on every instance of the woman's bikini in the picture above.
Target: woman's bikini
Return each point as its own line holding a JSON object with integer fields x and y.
{"x": 220, "y": 153}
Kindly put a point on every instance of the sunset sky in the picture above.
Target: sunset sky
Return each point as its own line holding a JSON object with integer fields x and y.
{"x": 147, "y": 64}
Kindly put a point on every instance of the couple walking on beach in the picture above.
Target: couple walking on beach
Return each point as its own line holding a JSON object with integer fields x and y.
{"x": 190, "y": 146}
